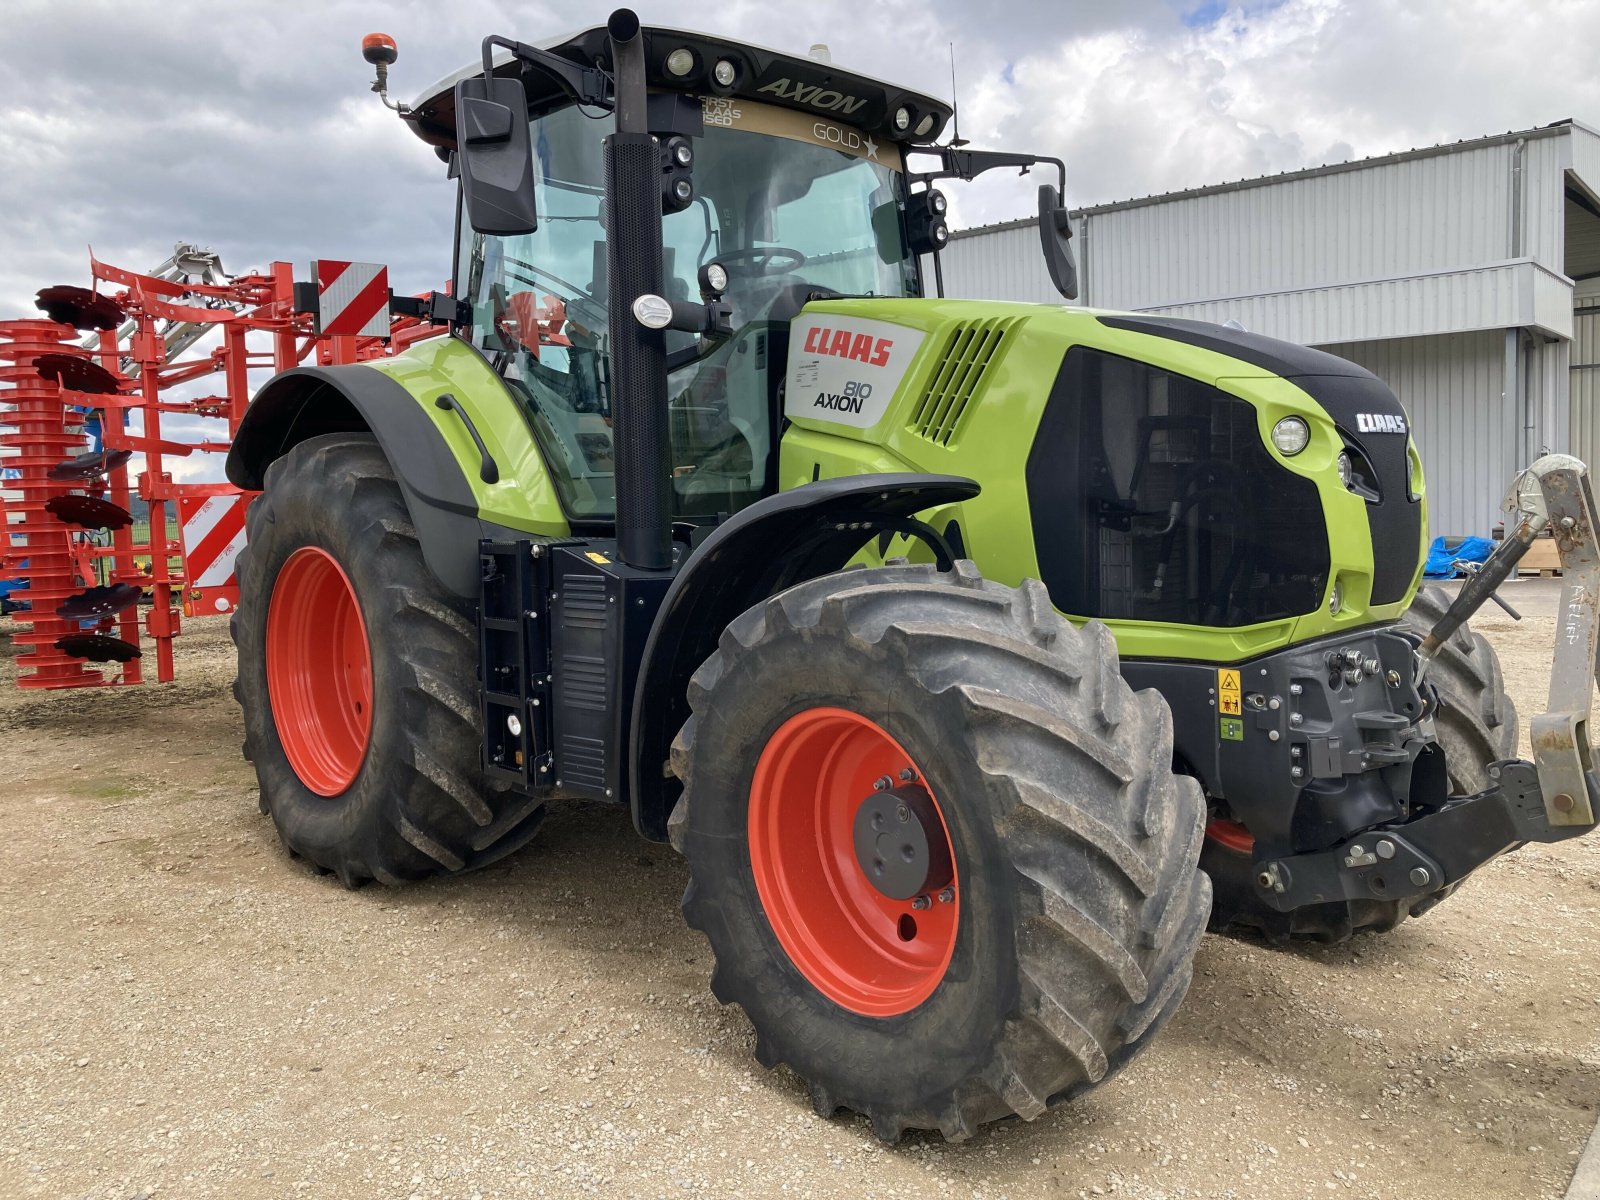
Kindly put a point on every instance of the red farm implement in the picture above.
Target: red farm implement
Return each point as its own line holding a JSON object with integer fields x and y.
{"x": 97, "y": 401}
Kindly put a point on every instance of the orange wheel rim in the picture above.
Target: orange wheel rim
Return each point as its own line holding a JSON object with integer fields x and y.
{"x": 319, "y": 671}
{"x": 1230, "y": 835}
{"x": 866, "y": 951}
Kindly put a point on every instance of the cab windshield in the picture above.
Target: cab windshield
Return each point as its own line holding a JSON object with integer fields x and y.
{"x": 789, "y": 205}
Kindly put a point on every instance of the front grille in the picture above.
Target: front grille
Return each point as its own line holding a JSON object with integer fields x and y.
{"x": 970, "y": 351}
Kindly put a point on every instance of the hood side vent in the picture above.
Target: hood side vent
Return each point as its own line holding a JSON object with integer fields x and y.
{"x": 970, "y": 350}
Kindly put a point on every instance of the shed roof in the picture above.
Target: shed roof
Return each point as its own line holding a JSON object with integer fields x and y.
{"x": 1554, "y": 129}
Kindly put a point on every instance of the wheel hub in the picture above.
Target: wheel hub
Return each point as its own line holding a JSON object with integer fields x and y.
{"x": 900, "y": 842}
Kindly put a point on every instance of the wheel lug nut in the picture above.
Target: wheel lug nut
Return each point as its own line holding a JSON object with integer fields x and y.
{"x": 907, "y": 774}
{"x": 920, "y": 903}
{"x": 947, "y": 896}
{"x": 882, "y": 783}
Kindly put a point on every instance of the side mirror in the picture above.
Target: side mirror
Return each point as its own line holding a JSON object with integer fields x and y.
{"x": 495, "y": 156}
{"x": 1055, "y": 232}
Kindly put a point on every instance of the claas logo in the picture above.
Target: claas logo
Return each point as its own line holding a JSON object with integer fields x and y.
{"x": 841, "y": 343}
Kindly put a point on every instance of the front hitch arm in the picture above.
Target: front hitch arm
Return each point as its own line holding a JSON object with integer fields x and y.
{"x": 1560, "y": 734}
{"x": 1555, "y": 494}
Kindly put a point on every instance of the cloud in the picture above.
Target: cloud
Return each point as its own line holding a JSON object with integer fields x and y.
{"x": 250, "y": 128}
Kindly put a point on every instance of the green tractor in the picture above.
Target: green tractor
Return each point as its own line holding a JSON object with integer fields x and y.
{"x": 974, "y": 655}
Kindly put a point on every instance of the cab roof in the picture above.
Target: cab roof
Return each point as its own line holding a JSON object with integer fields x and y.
{"x": 769, "y": 76}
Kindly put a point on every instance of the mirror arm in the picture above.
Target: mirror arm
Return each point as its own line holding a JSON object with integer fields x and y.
{"x": 586, "y": 85}
{"x": 967, "y": 165}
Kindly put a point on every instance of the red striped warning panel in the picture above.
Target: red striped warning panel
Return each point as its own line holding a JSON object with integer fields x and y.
{"x": 352, "y": 298}
{"x": 212, "y": 516}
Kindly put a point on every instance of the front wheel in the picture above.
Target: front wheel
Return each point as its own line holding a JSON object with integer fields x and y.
{"x": 936, "y": 846}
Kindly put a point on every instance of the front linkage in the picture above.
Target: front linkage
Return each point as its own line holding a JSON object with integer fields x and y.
{"x": 1551, "y": 799}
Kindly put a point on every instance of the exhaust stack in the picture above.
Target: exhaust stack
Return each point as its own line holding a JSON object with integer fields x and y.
{"x": 640, "y": 426}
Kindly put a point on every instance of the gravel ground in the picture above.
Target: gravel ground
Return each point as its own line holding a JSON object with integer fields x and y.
{"x": 186, "y": 1012}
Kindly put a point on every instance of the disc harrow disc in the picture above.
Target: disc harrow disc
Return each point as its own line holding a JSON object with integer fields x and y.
{"x": 77, "y": 374}
{"x": 89, "y": 512}
{"x": 88, "y": 466}
{"x": 79, "y": 307}
{"x": 98, "y": 602}
{"x": 98, "y": 647}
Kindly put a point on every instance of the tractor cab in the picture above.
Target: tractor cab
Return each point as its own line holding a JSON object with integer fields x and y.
{"x": 785, "y": 180}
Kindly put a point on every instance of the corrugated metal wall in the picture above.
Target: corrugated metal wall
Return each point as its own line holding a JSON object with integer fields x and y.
{"x": 1406, "y": 217}
{"x": 1584, "y": 396}
{"x": 1520, "y": 294}
{"x": 1002, "y": 263}
{"x": 1453, "y": 388}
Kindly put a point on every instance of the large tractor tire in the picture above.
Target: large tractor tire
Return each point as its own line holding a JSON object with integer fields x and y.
{"x": 357, "y": 678}
{"x": 1476, "y": 724}
{"x": 936, "y": 846}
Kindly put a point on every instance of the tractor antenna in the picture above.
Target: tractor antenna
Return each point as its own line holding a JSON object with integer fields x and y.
{"x": 955, "y": 110}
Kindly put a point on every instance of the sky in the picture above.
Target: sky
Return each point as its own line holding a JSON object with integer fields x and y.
{"x": 249, "y": 127}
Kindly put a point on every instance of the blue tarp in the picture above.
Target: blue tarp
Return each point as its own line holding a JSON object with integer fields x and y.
{"x": 1442, "y": 560}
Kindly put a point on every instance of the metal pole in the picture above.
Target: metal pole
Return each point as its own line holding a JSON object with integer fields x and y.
{"x": 640, "y": 426}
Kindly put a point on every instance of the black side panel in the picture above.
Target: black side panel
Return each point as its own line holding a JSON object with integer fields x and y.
{"x": 601, "y": 612}
{"x": 308, "y": 401}
{"x": 773, "y": 544}
{"x": 1347, "y": 393}
{"x": 1153, "y": 498}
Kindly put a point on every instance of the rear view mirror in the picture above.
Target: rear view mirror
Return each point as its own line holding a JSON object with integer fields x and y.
{"x": 495, "y": 156}
{"x": 1055, "y": 232}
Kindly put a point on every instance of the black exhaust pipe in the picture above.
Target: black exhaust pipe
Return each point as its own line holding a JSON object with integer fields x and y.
{"x": 640, "y": 428}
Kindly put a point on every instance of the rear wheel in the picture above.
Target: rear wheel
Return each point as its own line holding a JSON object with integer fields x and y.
{"x": 936, "y": 846}
{"x": 357, "y": 678}
{"x": 1476, "y": 724}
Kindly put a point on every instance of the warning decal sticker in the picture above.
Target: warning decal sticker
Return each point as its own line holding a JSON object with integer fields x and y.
{"x": 1228, "y": 692}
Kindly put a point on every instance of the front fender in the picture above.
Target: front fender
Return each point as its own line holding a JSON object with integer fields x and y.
{"x": 774, "y": 544}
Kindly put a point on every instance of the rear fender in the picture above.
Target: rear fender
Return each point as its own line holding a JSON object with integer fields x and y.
{"x": 774, "y": 544}
{"x": 307, "y": 402}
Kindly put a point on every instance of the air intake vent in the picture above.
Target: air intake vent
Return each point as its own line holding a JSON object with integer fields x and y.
{"x": 969, "y": 352}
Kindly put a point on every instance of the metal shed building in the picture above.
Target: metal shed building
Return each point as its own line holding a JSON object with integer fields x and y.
{"x": 1467, "y": 276}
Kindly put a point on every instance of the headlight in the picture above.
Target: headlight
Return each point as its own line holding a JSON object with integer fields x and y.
{"x": 680, "y": 61}
{"x": 717, "y": 276}
{"x": 1335, "y": 599}
{"x": 1345, "y": 470}
{"x": 1291, "y": 435}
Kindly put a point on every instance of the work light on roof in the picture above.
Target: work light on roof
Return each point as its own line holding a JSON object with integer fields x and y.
{"x": 925, "y": 126}
{"x": 902, "y": 118}
{"x": 725, "y": 72}
{"x": 680, "y": 62}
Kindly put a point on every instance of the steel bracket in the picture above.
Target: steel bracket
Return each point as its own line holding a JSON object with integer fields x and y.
{"x": 1558, "y": 484}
